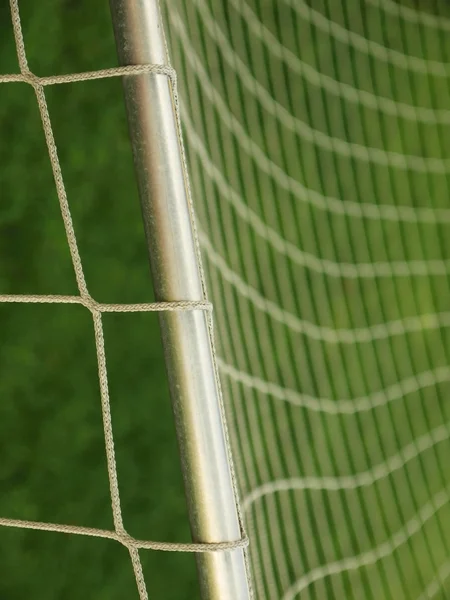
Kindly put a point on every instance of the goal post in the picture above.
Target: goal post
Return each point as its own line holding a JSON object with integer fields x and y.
{"x": 152, "y": 110}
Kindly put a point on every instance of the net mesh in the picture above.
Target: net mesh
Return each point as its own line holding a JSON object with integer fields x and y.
{"x": 84, "y": 298}
{"x": 318, "y": 142}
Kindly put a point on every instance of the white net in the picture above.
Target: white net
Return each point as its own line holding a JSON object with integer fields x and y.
{"x": 319, "y": 147}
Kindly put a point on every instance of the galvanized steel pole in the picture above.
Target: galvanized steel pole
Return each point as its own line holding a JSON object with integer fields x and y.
{"x": 174, "y": 263}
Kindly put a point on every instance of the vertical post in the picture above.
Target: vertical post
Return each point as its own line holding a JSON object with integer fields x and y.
{"x": 176, "y": 276}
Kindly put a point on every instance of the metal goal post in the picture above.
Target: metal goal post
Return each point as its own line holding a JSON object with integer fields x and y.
{"x": 153, "y": 117}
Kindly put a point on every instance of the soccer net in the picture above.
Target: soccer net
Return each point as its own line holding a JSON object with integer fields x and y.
{"x": 318, "y": 141}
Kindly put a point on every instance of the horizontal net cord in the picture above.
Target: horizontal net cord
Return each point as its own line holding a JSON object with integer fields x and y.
{"x": 410, "y": 14}
{"x": 93, "y": 305}
{"x": 435, "y": 586}
{"x": 331, "y": 204}
{"x": 384, "y": 550}
{"x": 406, "y": 214}
{"x": 337, "y": 88}
{"x": 32, "y": 79}
{"x": 362, "y": 335}
{"x": 341, "y": 406}
{"x": 366, "y": 270}
{"x": 355, "y": 481}
{"x": 368, "y": 47}
{"x": 127, "y": 540}
{"x": 338, "y": 146}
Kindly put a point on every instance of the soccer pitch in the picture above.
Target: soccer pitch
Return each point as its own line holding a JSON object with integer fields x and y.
{"x": 52, "y": 465}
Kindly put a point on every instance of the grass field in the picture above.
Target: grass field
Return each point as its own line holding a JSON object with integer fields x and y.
{"x": 270, "y": 247}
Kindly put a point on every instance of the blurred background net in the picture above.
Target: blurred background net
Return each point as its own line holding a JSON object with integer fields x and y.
{"x": 319, "y": 150}
{"x": 318, "y": 142}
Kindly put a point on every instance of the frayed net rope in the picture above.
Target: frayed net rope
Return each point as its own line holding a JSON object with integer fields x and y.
{"x": 84, "y": 298}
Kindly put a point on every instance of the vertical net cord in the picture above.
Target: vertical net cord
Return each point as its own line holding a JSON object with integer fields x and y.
{"x": 82, "y": 287}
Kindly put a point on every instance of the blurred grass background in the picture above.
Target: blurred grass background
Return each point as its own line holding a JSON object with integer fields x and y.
{"x": 52, "y": 460}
